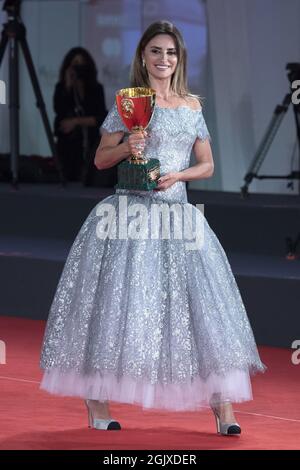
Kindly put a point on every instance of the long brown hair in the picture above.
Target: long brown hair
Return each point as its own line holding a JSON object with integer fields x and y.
{"x": 139, "y": 76}
{"x": 92, "y": 75}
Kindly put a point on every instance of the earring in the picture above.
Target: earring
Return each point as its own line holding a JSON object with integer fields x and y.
{"x": 143, "y": 62}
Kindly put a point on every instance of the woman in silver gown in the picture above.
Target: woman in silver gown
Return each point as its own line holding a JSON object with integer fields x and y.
{"x": 150, "y": 320}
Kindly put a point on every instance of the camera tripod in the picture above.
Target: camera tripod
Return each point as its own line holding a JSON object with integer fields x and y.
{"x": 266, "y": 142}
{"x": 13, "y": 35}
{"x": 264, "y": 146}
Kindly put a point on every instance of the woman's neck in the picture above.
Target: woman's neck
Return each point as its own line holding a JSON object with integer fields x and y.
{"x": 162, "y": 88}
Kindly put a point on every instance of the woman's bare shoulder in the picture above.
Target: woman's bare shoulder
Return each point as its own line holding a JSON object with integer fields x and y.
{"x": 193, "y": 102}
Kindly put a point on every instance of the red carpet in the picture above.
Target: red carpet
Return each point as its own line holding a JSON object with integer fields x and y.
{"x": 32, "y": 419}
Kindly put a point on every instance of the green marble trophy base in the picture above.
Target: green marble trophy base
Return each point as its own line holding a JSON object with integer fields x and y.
{"x": 140, "y": 176}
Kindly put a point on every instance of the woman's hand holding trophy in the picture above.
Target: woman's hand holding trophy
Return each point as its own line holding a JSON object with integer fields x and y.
{"x": 137, "y": 142}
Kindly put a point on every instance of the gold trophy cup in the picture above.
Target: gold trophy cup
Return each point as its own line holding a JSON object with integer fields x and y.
{"x": 136, "y": 107}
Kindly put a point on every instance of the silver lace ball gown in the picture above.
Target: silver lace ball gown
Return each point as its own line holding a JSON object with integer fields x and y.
{"x": 148, "y": 321}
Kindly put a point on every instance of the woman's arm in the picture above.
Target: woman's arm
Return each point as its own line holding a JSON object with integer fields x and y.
{"x": 205, "y": 166}
{"x": 203, "y": 155}
{"x": 110, "y": 151}
{"x": 203, "y": 169}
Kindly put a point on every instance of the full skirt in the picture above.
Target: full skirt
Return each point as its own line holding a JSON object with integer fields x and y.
{"x": 150, "y": 320}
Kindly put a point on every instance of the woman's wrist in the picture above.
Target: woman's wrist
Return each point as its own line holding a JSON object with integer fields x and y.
{"x": 179, "y": 176}
{"x": 126, "y": 148}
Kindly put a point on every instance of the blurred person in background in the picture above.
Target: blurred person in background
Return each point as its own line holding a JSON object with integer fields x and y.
{"x": 80, "y": 109}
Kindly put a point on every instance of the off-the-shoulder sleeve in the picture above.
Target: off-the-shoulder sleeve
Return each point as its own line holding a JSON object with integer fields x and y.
{"x": 113, "y": 122}
{"x": 201, "y": 127}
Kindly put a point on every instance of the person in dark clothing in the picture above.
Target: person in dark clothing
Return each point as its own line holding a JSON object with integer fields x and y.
{"x": 80, "y": 109}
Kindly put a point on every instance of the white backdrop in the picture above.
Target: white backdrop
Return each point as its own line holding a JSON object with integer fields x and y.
{"x": 110, "y": 31}
{"x": 242, "y": 77}
{"x": 250, "y": 43}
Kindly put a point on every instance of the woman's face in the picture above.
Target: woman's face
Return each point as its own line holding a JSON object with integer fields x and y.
{"x": 160, "y": 56}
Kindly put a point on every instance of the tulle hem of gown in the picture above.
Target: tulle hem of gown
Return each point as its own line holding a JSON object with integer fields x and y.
{"x": 235, "y": 386}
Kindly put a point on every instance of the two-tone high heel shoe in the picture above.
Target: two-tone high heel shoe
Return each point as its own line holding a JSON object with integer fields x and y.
{"x": 101, "y": 424}
{"x": 226, "y": 429}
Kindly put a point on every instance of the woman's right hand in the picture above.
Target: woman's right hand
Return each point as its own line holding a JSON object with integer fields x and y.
{"x": 136, "y": 142}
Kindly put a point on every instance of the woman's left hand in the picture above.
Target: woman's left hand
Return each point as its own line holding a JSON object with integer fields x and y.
{"x": 167, "y": 180}
{"x": 68, "y": 125}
